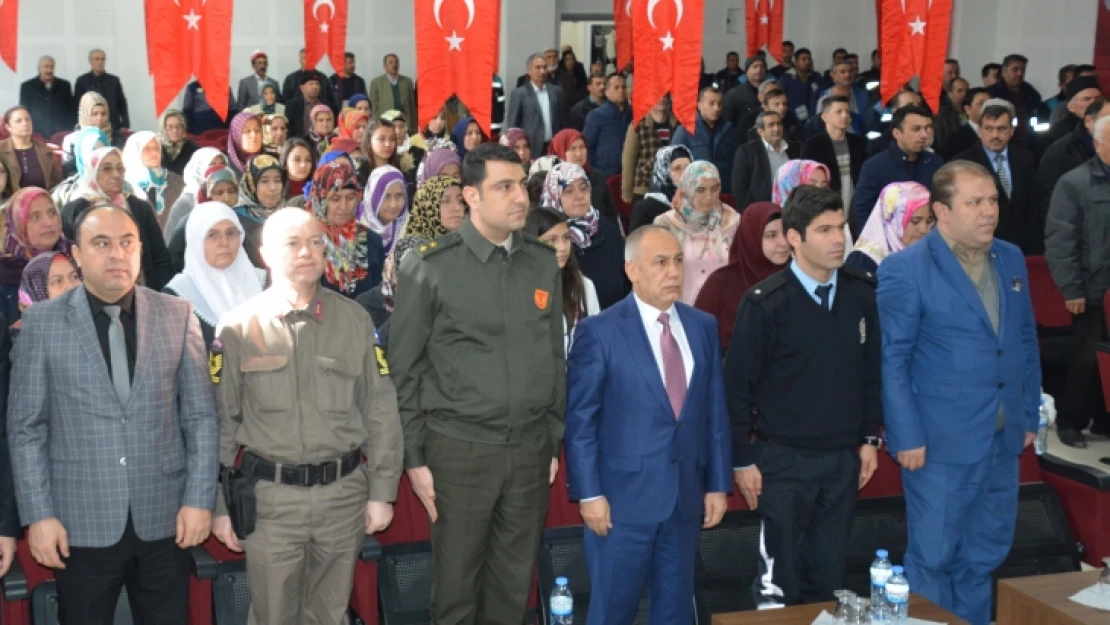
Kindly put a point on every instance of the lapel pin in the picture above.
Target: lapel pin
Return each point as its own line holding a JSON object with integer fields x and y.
{"x": 1016, "y": 285}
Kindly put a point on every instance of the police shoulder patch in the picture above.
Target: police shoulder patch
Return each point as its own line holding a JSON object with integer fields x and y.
{"x": 216, "y": 361}
{"x": 383, "y": 365}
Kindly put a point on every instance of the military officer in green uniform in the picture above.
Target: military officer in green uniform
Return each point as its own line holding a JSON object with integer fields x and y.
{"x": 476, "y": 353}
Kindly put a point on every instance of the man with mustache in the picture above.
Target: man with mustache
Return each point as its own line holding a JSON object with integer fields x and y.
{"x": 961, "y": 389}
{"x": 812, "y": 326}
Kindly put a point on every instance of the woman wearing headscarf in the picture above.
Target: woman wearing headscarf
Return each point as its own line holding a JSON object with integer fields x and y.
{"x": 467, "y": 135}
{"x": 32, "y": 225}
{"x": 353, "y": 150}
{"x": 221, "y": 184}
{"x": 195, "y": 172}
{"x": 352, "y": 124}
{"x": 29, "y": 161}
{"x": 217, "y": 276}
{"x": 518, "y": 140}
{"x": 703, "y": 224}
{"x": 177, "y": 147}
{"x": 323, "y": 129}
{"x": 275, "y": 132}
{"x": 901, "y": 217}
{"x": 92, "y": 112}
{"x": 84, "y": 142}
{"x": 798, "y": 172}
{"x": 597, "y": 241}
{"x": 269, "y": 104}
{"x": 103, "y": 181}
{"x": 759, "y": 250}
{"x": 437, "y": 208}
{"x": 641, "y": 145}
{"x": 142, "y": 157}
{"x": 354, "y": 256}
{"x": 261, "y": 192}
{"x": 244, "y": 139}
{"x": 360, "y": 102}
{"x": 670, "y": 163}
{"x": 385, "y": 205}
{"x": 378, "y": 301}
{"x": 45, "y": 277}
{"x": 440, "y": 162}
{"x": 296, "y": 159}
{"x": 570, "y": 146}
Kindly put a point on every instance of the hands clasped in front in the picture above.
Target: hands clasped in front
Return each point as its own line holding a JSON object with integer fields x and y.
{"x": 596, "y": 514}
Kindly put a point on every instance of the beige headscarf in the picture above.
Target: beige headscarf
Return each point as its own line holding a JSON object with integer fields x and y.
{"x": 90, "y": 100}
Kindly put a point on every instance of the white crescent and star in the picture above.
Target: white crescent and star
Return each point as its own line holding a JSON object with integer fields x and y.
{"x": 679, "y": 8}
{"x": 193, "y": 20}
{"x": 917, "y": 26}
{"x": 627, "y": 7}
{"x": 439, "y": 4}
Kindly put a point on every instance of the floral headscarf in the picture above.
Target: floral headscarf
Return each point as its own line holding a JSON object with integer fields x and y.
{"x": 87, "y": 138}
{"x": 195, "y": 169}
{"x": 214, "y": 176}
{"x": 349, "y": 119}
{"x": 89, "y": 188}
{"x": 792, "y": 175}
{"x": 661, "y": 183}
{"x": 346, "y": 254}
{"x": 321, "y": 141}
{"x": 717, "y": 227}
{"x": 235, "y": 150}
{"x": 140, "y": 176}
{"x": 434, "y": 162}
{"x": 249, "y": 207}
{"x": 393, "y": 261}
{"x": 424, "y": 221}
{"x": 267, "y": 132}
{"x": 582, "y": 229}
{"x": 17, "y": 246}
{"x": 85, "y": 107}
{"x": 172, "y": 148}
{"x": 543, "y": 164}
{"x": 380, "y": 180}
{"x": 33, "y": 284}
{"x": 882, "y": 234}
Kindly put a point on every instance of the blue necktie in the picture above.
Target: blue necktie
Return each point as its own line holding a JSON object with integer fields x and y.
{"x": 823, "y": 292}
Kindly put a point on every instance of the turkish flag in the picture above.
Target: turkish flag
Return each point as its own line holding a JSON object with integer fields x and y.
{"x": 764, "y": 26}
{"x": 186, "y": 38}
{"x": 9, "y": 32}
{"x": 325, "y": 32}
{"x": 1102, "y": 45}
{"x": 667, "y": 38}
{"x": 914, "y": 42}
{"x": 456, "y": 53}
{"x": 622, "y": 26}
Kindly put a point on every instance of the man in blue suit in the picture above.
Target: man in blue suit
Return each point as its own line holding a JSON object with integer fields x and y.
{"x": 648, "y": 440}
{"x": 961, "y": 390}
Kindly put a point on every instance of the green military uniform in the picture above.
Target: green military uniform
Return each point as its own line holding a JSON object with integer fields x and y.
{"x": 306, "y": 387}
{"x": 476, "y": 352}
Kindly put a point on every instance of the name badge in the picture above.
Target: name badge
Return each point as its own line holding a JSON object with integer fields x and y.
{"x": 1016, "y": 285}
{"x": 862, "y": 331}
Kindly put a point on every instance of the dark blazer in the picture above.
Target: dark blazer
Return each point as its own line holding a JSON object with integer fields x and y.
{"x": 52, "y": 109}
{"x": 51, "y": 170}
{"x": 959, "y": 142}
{"x": 294, "y": 112}
{"x": 9, "y": 516}
{"x": 109, "y": 86}
{"x": 1018, "y": 218}
{"x": 249, "y": 93}
{"x": 1060, "y": 158}
{"x": 751, "y": 174}
{"x": 344, "y": 88}
{"x": 291, "y": 88}
{"x": 524, "y": 113}
{"x": 820, "y": 149}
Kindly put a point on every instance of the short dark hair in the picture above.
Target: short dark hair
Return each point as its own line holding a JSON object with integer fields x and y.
{"x": 1010, "y": 59}
{"x": 761, "y": 119}
{"x": 12, "y": 111}
{"x": 474, "y": 164}
{"x": 901, "y": 114}
{"x": 896, "y": 99}
{"x": 1083, "y": 68}
{"x": 996, "y": 111}
{"x": 969, "y": 97}
{"x": 1095, "y": 107}
{"x": 713, "y": 88}
{"x": 805, "y": 204}
{"x": 827, "y": 103}
{"x": 874, "y": 53}
{"x": 802, "y": 51}
{"x": 773, "y": 92}
{"x": 851, "y": 56}
{"x": 1062, "y": 75}
{"x": 386, "y": 58}
{"x": 83, "y": 216}
{"x": 535, "y": 186}
{"x": 951, "y": 61}
{"x": 611, "y": 76}
{"x": 943, "y": 189}
{"x": 991, "y": 67}
{"x": 839, "y": 51}
{"x": 349, "y": 55}
{"x": 598, "y": 76}
{"x": 732, "y": 53}
{"x": 788, "y": 43}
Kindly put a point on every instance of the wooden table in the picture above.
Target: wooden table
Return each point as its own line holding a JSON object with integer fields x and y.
{"x": 920, "y": 607}
{"x": 1043, "y": 600}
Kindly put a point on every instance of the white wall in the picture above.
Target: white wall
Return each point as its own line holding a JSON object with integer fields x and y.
{"x": 1050, "y": 33}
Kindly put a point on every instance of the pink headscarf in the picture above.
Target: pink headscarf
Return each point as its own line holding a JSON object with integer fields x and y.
{"x": 882, "y": 234}
{"x": 792, "y": 175}
{"x": 235, "y": 151}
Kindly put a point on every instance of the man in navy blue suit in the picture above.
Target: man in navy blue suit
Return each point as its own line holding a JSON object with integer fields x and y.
{"x": 647, "y": 438}
{"x": 961, "y": 390}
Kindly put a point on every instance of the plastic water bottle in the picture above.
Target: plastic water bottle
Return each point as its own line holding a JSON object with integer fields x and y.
{"x": 562, "y": 603}
{"x": 1040, "y": 443}
{"x": 898, "y": 596}
{"x": 880, "y": 573}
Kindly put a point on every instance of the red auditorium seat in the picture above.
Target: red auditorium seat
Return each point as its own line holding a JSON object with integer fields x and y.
{"x": 730, "y": 200}
{"x": 59, "y": 138}
{"x": 1048, "y": 303}
{"x": 624, "y": 209}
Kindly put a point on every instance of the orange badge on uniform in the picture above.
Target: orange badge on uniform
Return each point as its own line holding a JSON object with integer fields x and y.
{"x": 541, "y": 297}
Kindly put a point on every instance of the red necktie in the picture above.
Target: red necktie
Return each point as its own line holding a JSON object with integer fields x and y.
{"x": 673, "y": 368}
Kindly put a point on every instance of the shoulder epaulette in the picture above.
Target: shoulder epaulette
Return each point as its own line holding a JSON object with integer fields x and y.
{"x": 860, "y": 274}
{"x": 763, "y": 289}
{"x": 440, "y": 243}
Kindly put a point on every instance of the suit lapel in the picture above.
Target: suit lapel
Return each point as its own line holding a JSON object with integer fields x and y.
{"x": 957, "y": 277}
{"x": 996, "y": 260}
{"x": 638, "y": 344}
{"x": 80, "y": 318}
{"x": 144, "y": 322}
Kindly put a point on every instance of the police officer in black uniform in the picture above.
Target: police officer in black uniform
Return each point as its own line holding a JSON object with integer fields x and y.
{"x": 803, "y": 372}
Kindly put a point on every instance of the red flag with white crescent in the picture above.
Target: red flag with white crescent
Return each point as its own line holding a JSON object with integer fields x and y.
{"x": 325, "y": 32}
{"x": 456, "y": 53}
{"x": 622, "y": 24}
{"x": 667, "y": 36}
{"x": 187, "y": 38}
{"x": 9, "y": 32}
{"x": 915, "y": 42}
{"x": 763, "y": 19}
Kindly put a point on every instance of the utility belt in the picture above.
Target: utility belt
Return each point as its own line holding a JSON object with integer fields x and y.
{"x": 238, "y": 482}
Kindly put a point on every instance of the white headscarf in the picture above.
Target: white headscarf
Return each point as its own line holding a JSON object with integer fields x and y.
{"x": 213, "y": 292}
{"x": 199, "y": 163}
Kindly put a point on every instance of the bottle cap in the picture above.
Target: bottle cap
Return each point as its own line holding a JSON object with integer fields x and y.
{"x": 898, "y": 570}
{"x": 882, "y": 553}
{"x": 560, "y": 581}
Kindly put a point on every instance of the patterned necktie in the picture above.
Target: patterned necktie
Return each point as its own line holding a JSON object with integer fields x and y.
{"x": 673, "y": 367}
{"x": 822, "y": 292}
{"x": 1003, "y": 174}
{"x": 117, "y": 349}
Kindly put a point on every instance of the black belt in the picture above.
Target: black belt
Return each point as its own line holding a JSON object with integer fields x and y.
{"x": 301, "y": 474}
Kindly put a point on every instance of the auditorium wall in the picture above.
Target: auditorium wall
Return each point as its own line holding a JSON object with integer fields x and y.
{"x": 1051, "y": 34}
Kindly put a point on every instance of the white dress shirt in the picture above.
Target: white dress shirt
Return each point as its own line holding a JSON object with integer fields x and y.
{"x": 543, "y": 95}
{"x": 654, "y": 328}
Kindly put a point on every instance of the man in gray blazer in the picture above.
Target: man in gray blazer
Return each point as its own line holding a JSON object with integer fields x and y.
{"x": 250, "y": 88}
{"x": 536, "y": 107}
{"x": 114, "y": 434}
